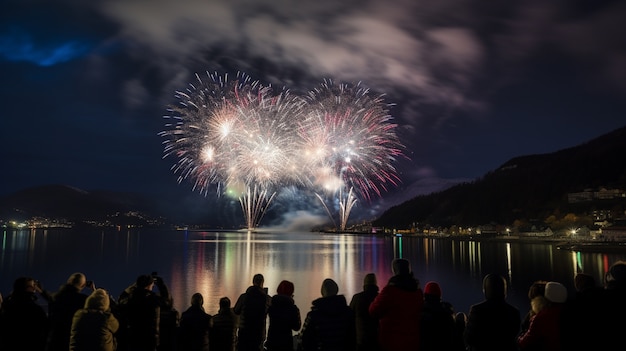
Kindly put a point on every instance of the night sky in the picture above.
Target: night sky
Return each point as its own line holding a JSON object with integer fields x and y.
{"x": 85, "y": 84}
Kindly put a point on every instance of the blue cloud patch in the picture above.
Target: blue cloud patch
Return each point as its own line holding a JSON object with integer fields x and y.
{"x": 19, "y": 46}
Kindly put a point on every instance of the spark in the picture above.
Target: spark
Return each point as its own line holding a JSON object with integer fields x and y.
{"x": 243, "y": 138}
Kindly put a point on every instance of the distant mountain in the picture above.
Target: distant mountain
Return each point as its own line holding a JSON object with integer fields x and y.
{"x": 79, "y": 206}
{"x": 525, "y": 188}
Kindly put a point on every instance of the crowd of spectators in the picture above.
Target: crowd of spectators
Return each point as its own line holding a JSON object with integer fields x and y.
{"x": 399, "y": 316}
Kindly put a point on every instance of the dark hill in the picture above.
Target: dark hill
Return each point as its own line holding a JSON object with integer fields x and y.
{"x": 76, "y": 205}
{"x": 525, "y": 188}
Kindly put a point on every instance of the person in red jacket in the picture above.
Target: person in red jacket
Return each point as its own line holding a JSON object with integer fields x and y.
{"x": 398, "y": 307}
{"x": 544, "y": 332}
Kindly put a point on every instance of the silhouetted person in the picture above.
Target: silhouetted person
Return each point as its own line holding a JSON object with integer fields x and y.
{"x": 24, "y": 324}
{"x": 223, "y": 334}
{"x": 460, "y": 320}
{"x": 329, "y": 326}
{"x": 284, "y": 319}
{"x": 366, "y": 325}
{"x": 492, "y": 324}
{"x": 195, "y": 325}
{"x": 94, "y": 326}
{"x": 398, "y": 307}
{"x": 252, "y": 309}
{"x": 580, "y": 317}
{"x": 437, "y": 324}
{"x": 169, "y": 319}
{"x": 614, "y": 305}
{"x": 143, "y": 311}
{"x": 64, "y": 303}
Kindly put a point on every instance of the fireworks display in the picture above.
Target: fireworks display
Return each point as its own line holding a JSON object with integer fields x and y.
{"x": 244, "y": 139}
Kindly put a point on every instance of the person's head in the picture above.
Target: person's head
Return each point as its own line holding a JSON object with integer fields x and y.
{"x": 285, "y": 288}
{"x": 537, "y": 288}
{"x": 24, "y": 285}
{"x": 77, "y": 280}
{"x": 370, "y": 280}
{"x": 197, "y": 300}
{"x": 401, "y": 266}
{"x": 98, "y": 300}
{"x": 224, "y": 303}
{"x": 494, "y": 287}
{"x": 432, "y": 289}
{"x": 145, "y": 281}
{"x": 616, "y": 276}
{"x": 584, "y": 281}
{"x": 329, "y": 288}
{"x": 555, "y": 292}
{"x": 258, "y": 280}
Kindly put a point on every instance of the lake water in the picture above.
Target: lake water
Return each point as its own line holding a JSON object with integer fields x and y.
{"x": 220, "y": 264}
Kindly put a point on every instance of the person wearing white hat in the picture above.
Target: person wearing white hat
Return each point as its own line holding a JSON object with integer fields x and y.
{"x": 544, "y": 332}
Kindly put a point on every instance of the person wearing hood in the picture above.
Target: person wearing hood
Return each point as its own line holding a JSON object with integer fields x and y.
{"x": 398, "y": 307}
{"x": 329, "y": 325}
{"x": 366, "y": 325}
{"x": 94, "y": 326}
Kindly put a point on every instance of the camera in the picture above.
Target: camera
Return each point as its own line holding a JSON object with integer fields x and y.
{"x": 89, "y": 283}
{"x": 154, "y": 275}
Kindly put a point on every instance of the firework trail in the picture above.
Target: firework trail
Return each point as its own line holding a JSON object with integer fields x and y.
{"x": 245, "y": 140}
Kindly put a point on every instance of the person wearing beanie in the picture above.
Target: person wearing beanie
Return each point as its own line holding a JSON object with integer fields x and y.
{"x": 544, "y": 332}
{"x": 194, "y": 326}
{"x": 252, "y": 307}
{"x": 398, "y": 307}
{"x": 94, "y": 326}
{"x": 437, "y": 326}
{"x": 613, "y": 306}
{"x": 366, "y": 325}
{"x": 284, "y": 318}
{"x": 329, "y": 325}
{"x": 492, "y": 324}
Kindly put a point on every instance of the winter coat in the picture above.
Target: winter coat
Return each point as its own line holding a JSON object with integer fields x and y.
{"x": 24, "y": 324}
{"x": 398, "y": 307}
{"x": 143, "y": 315}
{"x": 252, "y": 307}
{"x": 366, "y": 325}
{"x": 93, "y": 330}
{"x": 223, "y": 333}
{"x": 62, "y": 308}
{"x": 544, "y": 332}
{"x": 437, "y": 326}
{"x": 492, "y": 325}
{"x": 284, "y": 319}
{"x": 329, "y": 326}
{"x": 193, "y": 332}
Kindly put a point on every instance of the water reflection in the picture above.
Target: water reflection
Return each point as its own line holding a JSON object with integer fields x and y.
{"x": 222, "y": 263}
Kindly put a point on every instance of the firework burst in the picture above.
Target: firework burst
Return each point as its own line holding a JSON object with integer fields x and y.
{"x": 242, "y": 138}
